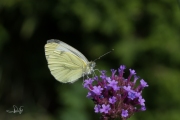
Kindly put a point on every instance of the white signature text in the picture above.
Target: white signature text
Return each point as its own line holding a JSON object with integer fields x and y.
{"x": 16, "y": 110}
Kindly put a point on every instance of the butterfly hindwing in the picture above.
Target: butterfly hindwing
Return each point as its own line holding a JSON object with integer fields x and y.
{"x": 65, "y": 67}
{"x": 62, "y": 46}
{"x": 49, "y": 49}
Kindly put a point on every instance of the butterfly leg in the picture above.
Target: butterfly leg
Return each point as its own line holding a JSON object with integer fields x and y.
{"x": 83, "y": 77}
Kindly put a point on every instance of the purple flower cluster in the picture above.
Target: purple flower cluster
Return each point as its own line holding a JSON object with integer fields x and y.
{"x": 115, "y": 96}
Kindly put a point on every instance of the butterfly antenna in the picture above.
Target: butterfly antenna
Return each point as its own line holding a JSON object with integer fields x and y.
{"x": 104, "y": 54}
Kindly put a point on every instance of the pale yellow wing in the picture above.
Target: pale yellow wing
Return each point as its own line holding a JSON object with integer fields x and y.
{"x": 50, "y": 48}
{"x": 57, "y": 45}
{"x": 65, "y": 66}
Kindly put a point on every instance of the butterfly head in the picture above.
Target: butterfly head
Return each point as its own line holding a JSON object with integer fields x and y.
{"x": 92, "y": 65}
{"x": 89, "y": 68}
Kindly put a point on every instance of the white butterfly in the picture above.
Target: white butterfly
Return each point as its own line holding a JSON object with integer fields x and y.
{"x": 65, "y": 62}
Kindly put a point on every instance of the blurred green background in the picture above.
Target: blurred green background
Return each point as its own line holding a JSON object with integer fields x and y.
{"x": 144, "y": 33}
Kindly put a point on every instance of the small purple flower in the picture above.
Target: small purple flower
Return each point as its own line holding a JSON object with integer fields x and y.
{"x": 115, "y": 88}
{"x": 112, "y": 100}
{"x": 97, "y": 108}
{"x": 108, "y": 79}
{"x": 128, "y": 88}
{"x": 122, "y": 67}
{"x": 90, "y": 94}
{"x": 143, "y": 83}
{"x": 113, "y": 84}
{"x": 121, "y": 70}
{"x": 132, "y": 72}
{"x": 88, "y": 82}
{"x": 113, "y": 72}
{"x": 103, "y": 74}
{"x": 105, "y": 108}
{"x": 143, "y": 108}
{"x": 141, "y": 101}
{"x": 131, "y": 95}
{"x": 135, "y": 78}
{"x": 124, "y": 113}
{"x": 97, "y": 90}
{"x": 138, "y": 94}
{"x": 96, "y": 78}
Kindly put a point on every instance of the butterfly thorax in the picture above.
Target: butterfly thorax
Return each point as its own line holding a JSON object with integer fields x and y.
{"x": 89, "y": 68}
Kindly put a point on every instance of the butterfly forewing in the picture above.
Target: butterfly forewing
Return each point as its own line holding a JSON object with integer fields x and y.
{"x": 65, "y": 47}
{"x": 49, "y": 49}
{"x": 65, "y": 62}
